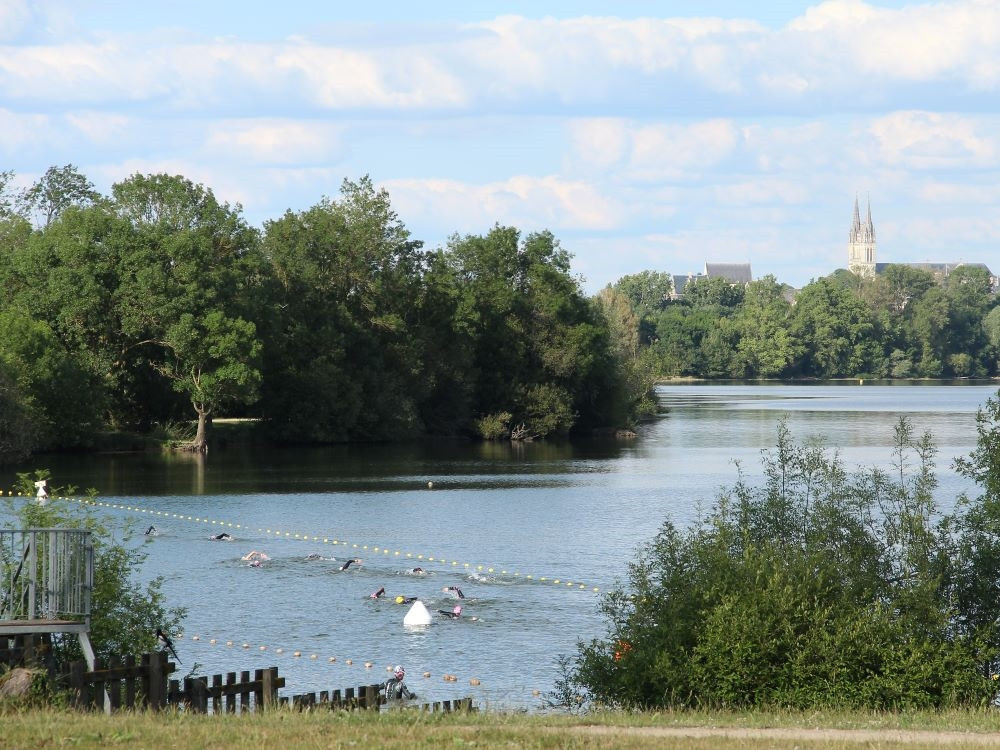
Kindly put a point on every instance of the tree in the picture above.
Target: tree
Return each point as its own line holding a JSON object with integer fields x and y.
{"x": 186, "y": 291}
{"x": 835, "y": 331}
{"x": 541, "y": 350}
{"x": 55, "y": 191}
{"x": 764, "y": 347}
{"x": 61, "y": 399}
{"x": 347, "y": 350}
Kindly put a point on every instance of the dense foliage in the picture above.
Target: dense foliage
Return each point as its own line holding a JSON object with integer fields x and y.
{"x": 902, "y": 323}
{"x": 817, "y": 588}
{"x": 159, "y": 303}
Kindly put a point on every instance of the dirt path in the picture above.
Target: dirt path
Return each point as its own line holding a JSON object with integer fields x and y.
{"x": 836, "y": 735}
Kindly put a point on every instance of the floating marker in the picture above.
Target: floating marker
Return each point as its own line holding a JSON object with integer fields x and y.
{"x": 417, "y": 615}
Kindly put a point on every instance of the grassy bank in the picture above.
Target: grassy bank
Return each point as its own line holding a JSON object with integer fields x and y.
{"x": 416, "y": 731}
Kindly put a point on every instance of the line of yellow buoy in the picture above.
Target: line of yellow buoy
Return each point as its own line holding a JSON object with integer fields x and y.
{"x": 298, "y": 653}
{"x": 279, "y": 534}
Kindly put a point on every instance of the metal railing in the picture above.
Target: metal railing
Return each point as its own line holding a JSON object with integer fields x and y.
{"x": 45, "y": 574}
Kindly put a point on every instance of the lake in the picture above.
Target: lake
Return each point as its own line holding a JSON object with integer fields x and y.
{"x": 531, "y": 533}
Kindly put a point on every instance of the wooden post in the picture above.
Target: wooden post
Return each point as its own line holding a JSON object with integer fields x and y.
{"x": 156, "y": 680}
{"x": 130, "y": 682}
{"x": 77, "y": 684}
{"x": 245, "y": 695}
{"x": 114, "y": 686}
{"x": 231, "y": 697}
{"x": 216, "y": 693}
{"x": 371, "y": 697}
{"x": 269, "y": 691}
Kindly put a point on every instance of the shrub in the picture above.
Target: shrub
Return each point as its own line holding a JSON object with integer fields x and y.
{"x": 494, "y": 426}
{"x": 815, "y": 589}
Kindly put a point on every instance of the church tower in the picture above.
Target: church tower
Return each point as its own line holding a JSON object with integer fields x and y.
{"x": 861, "y": 244}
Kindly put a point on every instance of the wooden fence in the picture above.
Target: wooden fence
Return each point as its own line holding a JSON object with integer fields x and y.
{"x": 369, "y": 697}
{"x": 126, "y": 683}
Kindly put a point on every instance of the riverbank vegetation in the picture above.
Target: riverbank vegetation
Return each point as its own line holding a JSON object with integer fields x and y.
{"x": 818, "y": 588}
{"x": 158, "y": 303}
{"x": 901, "y": 323}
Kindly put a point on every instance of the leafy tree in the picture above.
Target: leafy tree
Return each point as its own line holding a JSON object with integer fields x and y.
{"x": 834, "y": 330}
{"x": 55, "y": 191}
{"x": 929, "y": 330}
{"x": 345, "y": 356}
{"x": 538, "y": 343}
{"x": 764, "y": 347}
{"x": 62, "y": 401}
{"x": 648, "y": 292}
{"x": 970, "y": 297}
{"x": 718, "y": 292}
{"x": 186, "y": 291}
{"x": 18, "y": 421}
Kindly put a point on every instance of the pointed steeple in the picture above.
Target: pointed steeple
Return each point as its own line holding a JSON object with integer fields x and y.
{"x": 855, "y": 234}
{"x": 869, "y": 226}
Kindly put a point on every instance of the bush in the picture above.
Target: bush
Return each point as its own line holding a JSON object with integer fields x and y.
{"x": 816, "y": 589}
{"x": 494, "y": 426}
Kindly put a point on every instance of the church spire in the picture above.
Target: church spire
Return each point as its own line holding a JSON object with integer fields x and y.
{"x": 861, "y": 244}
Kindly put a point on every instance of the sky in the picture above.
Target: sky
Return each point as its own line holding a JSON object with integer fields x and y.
{"x": 645, "y": 135}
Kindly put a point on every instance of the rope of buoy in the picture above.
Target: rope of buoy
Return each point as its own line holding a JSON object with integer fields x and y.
{"x": 277, "y": 533}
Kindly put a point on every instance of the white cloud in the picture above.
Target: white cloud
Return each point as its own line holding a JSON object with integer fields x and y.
{"x": 14, "y": 17}
{"x": 928, "y": 140}
{"x": 273, "y": 141}
{"x": 529, "y": 203}
{"x": 676, "y": 151}
{"x": 19, "y": 131}
{"x": 100, "y": 127}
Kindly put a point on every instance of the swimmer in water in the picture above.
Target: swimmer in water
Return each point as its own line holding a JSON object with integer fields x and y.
{"x": 347, "y": 564}
{"x": 405, "y": 599}
{"x": 453, "y": 614}
{"x": 151, "y": 531}
{"x": 255, "y": 555}
{"x": 417, "y": 571}
{"x": 313, "y": 556}
{"x": 377, "y": 594}
{"x": 455, "y": 590}
{"x": 223, "y": 537}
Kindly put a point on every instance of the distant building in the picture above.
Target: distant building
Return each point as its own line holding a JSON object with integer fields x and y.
{"x": 734, "y": 273}
{"x": 861, "y": 244}
{"x": 861, "y": 252}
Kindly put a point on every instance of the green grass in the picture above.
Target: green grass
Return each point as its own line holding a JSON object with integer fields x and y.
{"x": 51, "y": 728}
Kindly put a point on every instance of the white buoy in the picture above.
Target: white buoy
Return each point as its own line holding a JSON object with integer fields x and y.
{"x": 417, "y": 614}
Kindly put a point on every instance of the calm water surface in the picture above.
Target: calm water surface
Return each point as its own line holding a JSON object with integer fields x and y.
{"x": 496, "y": 515}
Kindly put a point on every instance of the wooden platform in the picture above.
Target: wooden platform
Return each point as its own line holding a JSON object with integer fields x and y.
{"x": 28, "y": 627}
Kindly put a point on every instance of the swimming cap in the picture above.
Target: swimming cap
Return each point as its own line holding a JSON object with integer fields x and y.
{"x": 458, "y": 609}
{"x": 399, "y": 671}
{"x": 399, "y": 600}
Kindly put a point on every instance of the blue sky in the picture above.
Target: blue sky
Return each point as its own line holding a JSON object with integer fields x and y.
{"x": 644, "y": 135}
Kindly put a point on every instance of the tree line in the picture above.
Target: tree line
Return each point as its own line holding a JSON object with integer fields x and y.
{"x": 160, "y": 303}
{"x": 902, "y": 323}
